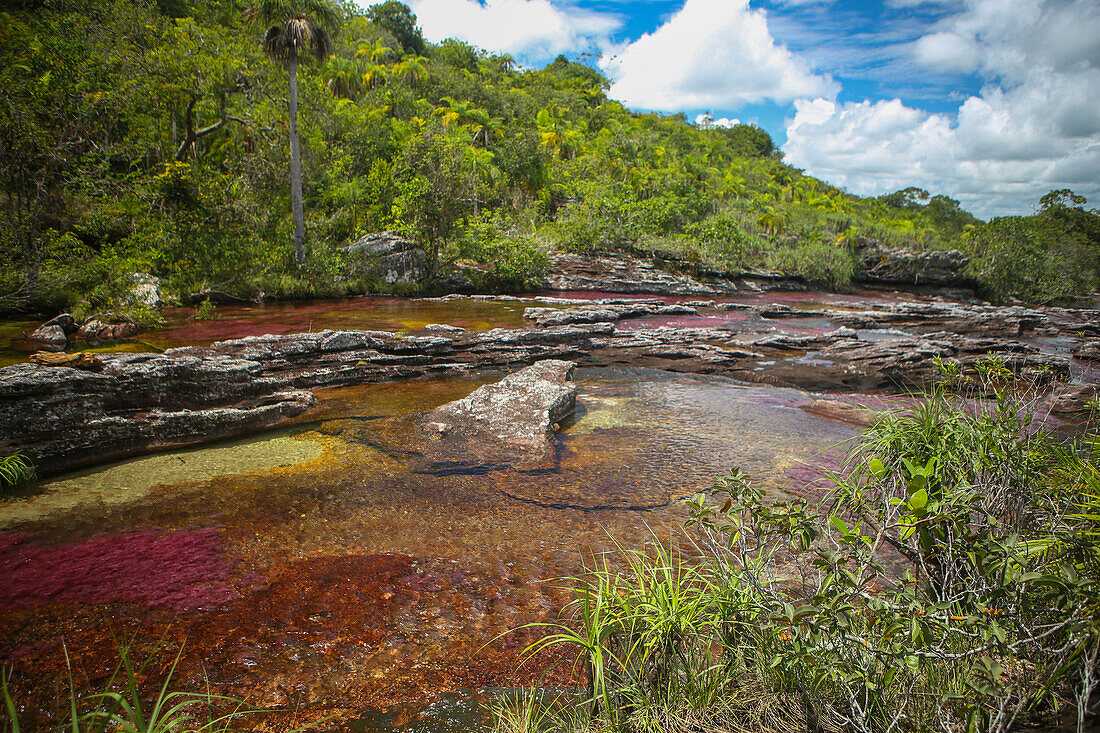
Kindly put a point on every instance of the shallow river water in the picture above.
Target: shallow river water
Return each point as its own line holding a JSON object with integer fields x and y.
{"x": 327, "y": 569}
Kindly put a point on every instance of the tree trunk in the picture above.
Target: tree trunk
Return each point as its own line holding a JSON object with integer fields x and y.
{"x": 296, "y": 167}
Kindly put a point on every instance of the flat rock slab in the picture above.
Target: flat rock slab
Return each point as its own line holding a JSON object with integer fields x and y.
{"x": 518, "y": 412}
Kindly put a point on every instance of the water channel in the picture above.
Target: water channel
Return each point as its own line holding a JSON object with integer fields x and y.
{"x": 327, "y": 569}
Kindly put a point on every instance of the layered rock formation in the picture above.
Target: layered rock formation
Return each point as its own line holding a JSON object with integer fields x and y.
{"x": 65, "y": 417}
{"x": 879, "y": 264}
{"x": 624, "y": 274}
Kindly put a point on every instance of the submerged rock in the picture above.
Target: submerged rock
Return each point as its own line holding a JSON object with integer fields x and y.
{"x": 844, "y": 411}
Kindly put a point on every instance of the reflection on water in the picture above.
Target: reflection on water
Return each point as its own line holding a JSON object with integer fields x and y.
{"x": 361, "y": 581}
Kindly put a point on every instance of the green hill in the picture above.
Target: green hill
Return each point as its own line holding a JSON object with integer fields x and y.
{"x": 141, "y": 136}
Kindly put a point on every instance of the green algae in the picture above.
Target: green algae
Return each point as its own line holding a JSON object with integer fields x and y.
{"x": 135, "y": 479}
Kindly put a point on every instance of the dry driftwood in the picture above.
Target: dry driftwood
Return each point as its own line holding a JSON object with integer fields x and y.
{"x": 79, "y": 360}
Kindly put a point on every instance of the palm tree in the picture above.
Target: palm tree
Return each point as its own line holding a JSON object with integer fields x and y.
{"x": 300, "y": 28}
{"x": 413, "y": 69}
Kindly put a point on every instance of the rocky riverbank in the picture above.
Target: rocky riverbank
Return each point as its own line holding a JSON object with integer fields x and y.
{"x": 67, "y": 417}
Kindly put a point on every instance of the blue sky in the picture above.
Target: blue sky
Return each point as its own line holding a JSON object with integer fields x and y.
{"x": 993, "y": 102}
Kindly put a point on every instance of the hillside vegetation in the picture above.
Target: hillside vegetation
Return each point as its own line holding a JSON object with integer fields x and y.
{"x": 140, "y": 136}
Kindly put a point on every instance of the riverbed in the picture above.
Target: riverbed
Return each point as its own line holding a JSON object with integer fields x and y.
{"x": 329, "y": 568}
{"x": 325, "y": 570}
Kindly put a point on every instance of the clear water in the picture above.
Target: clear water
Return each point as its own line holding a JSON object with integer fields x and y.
{"x": 330, "y": 571}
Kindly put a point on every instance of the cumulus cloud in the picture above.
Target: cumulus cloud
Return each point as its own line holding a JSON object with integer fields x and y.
{"x": 1034, "y": 126}
{"x": 536, "y": 29}
{"x": 947, "y": 51}
{"x": 704, "y": 119}
{"x": 710, "y": 53}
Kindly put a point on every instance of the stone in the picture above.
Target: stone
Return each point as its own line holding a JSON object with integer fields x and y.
{"x": 619, "y": 274}
{"x": 389, "y": 257}
{"x": 604, "y": 313}
{"x": 146, "y": 290}
{"x": 1087, "y": 350}
{"x": 50, "y": 338}
{"x": 1073, "y": 401}
{"x": 65, "y": 320}
{"x": 881, "y": 264}
{"x": 844, "y": 411}
{"x": 96, "y": 330}
{"x": 519, "y": 410}
{"x": 68, "y": 417}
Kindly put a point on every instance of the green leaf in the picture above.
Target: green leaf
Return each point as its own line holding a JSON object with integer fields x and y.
{"x": 840, "y": 525}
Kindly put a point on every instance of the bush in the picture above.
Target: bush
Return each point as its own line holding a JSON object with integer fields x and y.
{"x": 951, "y": 584}
{"x": 815, "y": 262}
{"x": 502, "y": 262}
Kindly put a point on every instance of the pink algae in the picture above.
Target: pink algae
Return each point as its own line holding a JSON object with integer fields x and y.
{"x": 171, "y": 570}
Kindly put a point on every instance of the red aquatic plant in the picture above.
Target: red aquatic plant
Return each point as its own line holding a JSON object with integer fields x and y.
{"x": 172, "y": 570}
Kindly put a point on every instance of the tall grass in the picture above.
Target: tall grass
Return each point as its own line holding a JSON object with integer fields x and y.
{"x": 15, "y": 469}
{"x": 950, "y": 583}
{"x": 120, "y": 706}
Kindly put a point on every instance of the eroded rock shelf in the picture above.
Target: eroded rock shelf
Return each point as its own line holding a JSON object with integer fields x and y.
{"x": 67, "y": 417}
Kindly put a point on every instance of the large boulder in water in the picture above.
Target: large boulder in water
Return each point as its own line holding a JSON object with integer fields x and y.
{"x": 389, "y": 257}
{"x": 50, "y": 337}
{"x": 518, "y": 413}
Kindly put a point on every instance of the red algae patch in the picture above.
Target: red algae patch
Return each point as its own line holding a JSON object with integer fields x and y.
{"x": 176, "y": 571}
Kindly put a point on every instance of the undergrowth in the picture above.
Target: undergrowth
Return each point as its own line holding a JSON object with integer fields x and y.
{"x": 15, "y": 470}
{"x": 949, "y": 582}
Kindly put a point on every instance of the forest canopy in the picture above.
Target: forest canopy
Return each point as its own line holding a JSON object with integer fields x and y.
{"x": 152, "y": 137}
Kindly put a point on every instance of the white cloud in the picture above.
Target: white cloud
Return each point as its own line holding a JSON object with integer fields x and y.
{"x": 1035, "y": 126}
{"x": 710, "y": 53}
{"x": 704, "y": 119}
{"x": 537, "y": 29}
{"x": 947, "y": 51}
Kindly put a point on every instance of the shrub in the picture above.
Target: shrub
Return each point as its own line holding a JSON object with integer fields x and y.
{"x": 951, "y": 584}
{"x": 815, "y": 262}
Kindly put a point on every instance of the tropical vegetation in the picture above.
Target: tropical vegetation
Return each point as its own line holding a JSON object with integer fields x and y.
{"x": 183, "y": 138}
{"x": 948, "y": 581}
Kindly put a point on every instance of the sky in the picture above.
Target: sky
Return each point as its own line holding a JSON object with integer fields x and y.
{"x": 992, "y": 102}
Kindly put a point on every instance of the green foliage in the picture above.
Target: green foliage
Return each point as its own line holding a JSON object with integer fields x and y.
{"x": 501, "y": 260}
{"x": 816, "y": 262}
{"x": 206, "y": 311}
{"x": 952, "y": 584}
{"x": 15, "y": 469}
{"x": 151, "y": 137}
{"x": 396, "y": 18}
{"x": 1051, "y": 256}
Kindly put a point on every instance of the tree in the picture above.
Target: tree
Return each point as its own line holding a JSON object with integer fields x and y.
{"x": 396, "y": 18}
{"x": 301, "y": 27}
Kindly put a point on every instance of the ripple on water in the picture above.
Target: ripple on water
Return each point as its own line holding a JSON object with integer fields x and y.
{"x": 364, "y": 582}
